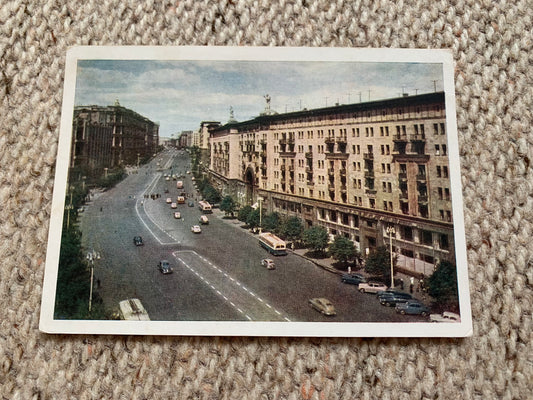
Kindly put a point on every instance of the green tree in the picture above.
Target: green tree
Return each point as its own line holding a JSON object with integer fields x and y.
{"x": 271, "y": 222}
{"x": 211, "y": 195}
{"x": 293, "y": 228}
{"x": 342, "y": 249}
{"x": 316, "y": 238}
{"x": 443, "y": 284}
{"x": 378, "y": 263}
{"x": 243, "y": 213}
{"x": 253, "y": 219}
{"x": 228, "y": 205}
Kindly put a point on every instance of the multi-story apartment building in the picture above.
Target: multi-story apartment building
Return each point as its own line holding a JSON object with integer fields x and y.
{"x": 109, "y": 136}
{"x": 356, "y": 169}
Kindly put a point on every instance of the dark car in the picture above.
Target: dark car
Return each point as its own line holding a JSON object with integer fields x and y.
{"x": 412, "y": 307}
{"x": 391, "y": 299}
{"x": 138, "y": 241}
{"x": 354, "y": 279}
{"x": 164, "y": 267}
{"x": 191, "y": 203}
{"x": 393, "y": 291}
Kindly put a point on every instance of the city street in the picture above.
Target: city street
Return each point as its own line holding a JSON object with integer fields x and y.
{"x": 217, "y": 273}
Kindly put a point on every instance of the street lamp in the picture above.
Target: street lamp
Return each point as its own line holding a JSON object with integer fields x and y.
{"x": 260, "y": 200}
{"x": 69, "y": 206}
{"x": 91, "y": 256}
{"x": 391, "y": 231}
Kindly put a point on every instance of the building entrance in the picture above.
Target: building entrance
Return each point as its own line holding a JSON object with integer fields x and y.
{"x": 249, "y": 182}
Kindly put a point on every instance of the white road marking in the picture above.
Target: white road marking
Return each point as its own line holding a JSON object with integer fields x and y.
{"x": 175, "y": 254}
{"x": 157, "y": 176}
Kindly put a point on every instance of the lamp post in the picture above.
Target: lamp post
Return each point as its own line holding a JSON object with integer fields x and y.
{"x": 91, "y": 256}
{"x": 391, "y": 231}
{"x": 69, "y": 206}
{"x": 260, "y": 200}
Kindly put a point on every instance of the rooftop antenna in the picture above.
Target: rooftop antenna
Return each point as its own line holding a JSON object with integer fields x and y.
{"x": 434, "y": 85}
{"x": 416, "y": 91}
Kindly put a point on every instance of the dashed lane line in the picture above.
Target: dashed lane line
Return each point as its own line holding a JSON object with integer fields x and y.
{"x": 176, "y": 255}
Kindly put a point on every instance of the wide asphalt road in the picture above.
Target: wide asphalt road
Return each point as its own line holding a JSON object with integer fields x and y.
{"x": 217, "y": 273}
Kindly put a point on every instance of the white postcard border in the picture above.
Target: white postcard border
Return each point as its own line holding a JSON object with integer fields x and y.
{"x": 235, "y": 328}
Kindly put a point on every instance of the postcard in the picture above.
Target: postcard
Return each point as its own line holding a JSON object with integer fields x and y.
{"x": 257, "y": 191}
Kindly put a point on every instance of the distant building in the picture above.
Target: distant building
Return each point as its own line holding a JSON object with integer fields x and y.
{"x": 110, "y": 136}
{"x": 354, "y": 169}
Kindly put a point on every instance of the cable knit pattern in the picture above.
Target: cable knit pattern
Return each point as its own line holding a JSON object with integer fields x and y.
{"x": 493, "y": 50}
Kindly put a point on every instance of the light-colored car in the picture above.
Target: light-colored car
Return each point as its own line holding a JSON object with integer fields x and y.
{"x": 196, "y": 229}
{"x": 203, "y": 220}
{"x": 169, "y": 200}
{"x": 323, "y": 305}
{"x": 371, "y": 287}
{"x": 177, "y": 215}
{"x": 173, "y": 205}
{"x": 446, "y": 316}
{"x": 268, "y": 263}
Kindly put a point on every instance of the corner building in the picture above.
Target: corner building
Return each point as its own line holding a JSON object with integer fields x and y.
{"x": 355, "y": 169}
{"x": 110, "y": 136}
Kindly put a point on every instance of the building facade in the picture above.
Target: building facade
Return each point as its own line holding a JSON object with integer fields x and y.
{"x": 110, "y": 136}
{"x": 364, "y": 171}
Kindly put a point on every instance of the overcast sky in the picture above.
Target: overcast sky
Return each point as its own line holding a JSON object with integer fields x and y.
{"x": 181, "y": 94}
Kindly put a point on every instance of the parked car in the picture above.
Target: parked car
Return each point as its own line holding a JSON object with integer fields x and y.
{"x": 446, "y": 316}
{"x": 164, "y": 267}
{"x": 177, "y": 215}
{"x": 268, "y": 263}
{"x": 138, "y": 241}
{"x": 354, "y": 279}
{"x": 392, "y": 298}
{"x": 413, "y": 307}
{"x": 323, "y": 305}
{"x": 196, "y": 229}
{"x": 371, "y": 287}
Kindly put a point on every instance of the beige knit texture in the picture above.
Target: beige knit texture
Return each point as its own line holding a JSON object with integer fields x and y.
{"x": 492, "y": 44}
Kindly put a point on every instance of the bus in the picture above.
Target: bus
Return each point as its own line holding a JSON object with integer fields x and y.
{"x": 179, "y": 184}
{"x": 133, "y": 310}
{"x": 273, "y": 244}
{"x": 205, "y": 207}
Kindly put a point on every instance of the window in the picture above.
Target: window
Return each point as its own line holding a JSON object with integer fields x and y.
{"x": 438, "y": 171}
{"x": 388, "y": 168}
{"x": 445, "y": 172}
{"x": 387, "y": 149}
{"x": 435, "y": 129}
{"x": 384, "y": 186}
{"x": 382, "y": 149}
{"x": 447, "y": 193}
{"x": 440, "y": 193}
{"x": 389, "y": 187}
{"x": 437, "y": 150}
{"x": 385, "y": 205}
{"x": 443, "y": 149}
{"x": 390, "y": 206}
{"x": 381, "y": 131}
{"x": 386, "y": 131}
{"x": 442, "y": 129}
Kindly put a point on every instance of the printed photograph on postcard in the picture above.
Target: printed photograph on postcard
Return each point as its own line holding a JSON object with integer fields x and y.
{"x": 241, "y": 191}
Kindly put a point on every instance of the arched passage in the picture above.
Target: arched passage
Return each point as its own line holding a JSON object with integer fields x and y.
{"x": 249, "y": 181}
